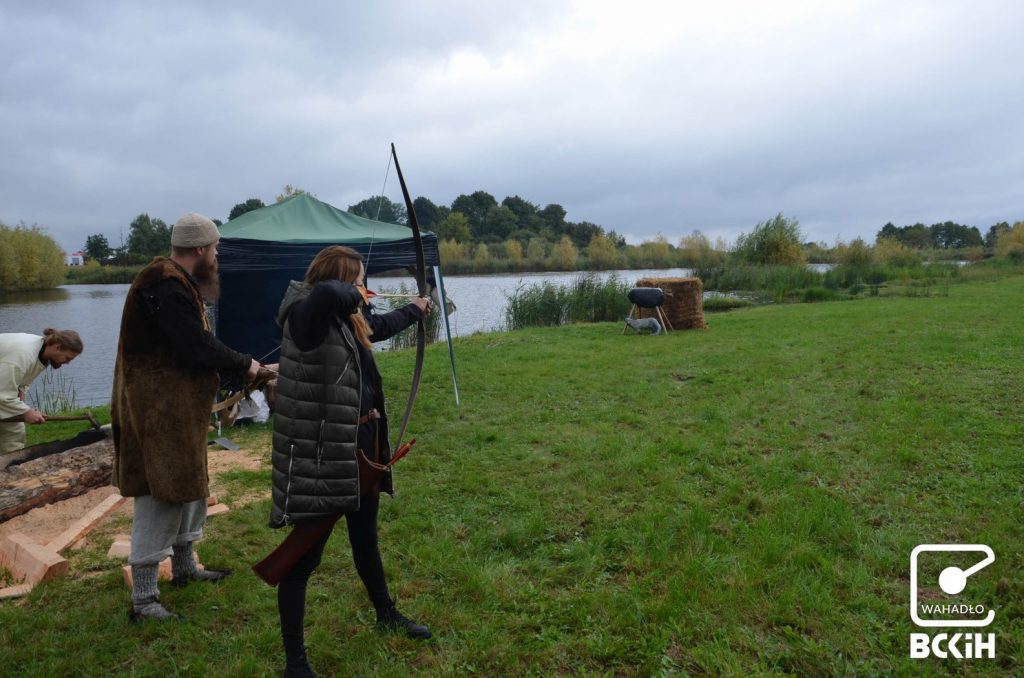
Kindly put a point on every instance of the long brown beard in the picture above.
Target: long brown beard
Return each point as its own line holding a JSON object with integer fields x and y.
{"x": 208, "y": 278}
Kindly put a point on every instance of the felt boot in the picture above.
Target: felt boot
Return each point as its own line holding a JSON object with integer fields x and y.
{"x": 150, "y": 609}
{"x": 146, "y": 596}
{"x": 184, "y": 569}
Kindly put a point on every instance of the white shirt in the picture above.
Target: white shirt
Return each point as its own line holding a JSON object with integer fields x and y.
{"x": 19, "y": 366}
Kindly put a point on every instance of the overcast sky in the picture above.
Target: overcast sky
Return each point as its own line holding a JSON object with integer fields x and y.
{"x": 643, "y": 117}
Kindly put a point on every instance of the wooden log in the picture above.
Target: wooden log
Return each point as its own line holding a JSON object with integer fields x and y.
{"x": 42, "y": 481}
{"x": 86, "y": 523}
{"x": 84, "y": 438}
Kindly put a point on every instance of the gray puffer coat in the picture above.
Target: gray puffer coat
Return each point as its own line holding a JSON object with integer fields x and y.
{"x": 316, "y": 418}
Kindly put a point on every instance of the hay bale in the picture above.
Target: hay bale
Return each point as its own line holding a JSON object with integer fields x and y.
{"x": 684, "y": 301}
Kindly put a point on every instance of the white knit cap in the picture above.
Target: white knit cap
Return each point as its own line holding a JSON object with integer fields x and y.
{"x": 194, "y": 230}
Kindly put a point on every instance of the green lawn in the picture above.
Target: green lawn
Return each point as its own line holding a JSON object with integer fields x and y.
{"x": 737, "y": 501}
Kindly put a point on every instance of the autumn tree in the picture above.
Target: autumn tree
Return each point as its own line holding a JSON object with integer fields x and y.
{"x": 290, "y": 191}
{"x": 481, "y": 258}
{"x": 1011, "y": 243}
{"x": 564, "y": 254}
{"x": 602, "y": 253}
{"x": 889, "y": 250}
{"x": 696, "y": 250}
{"x": 29, "y": 259}
{"x": 776, "y": 241}
{"x": 856, "y": 253}
{"x": 514, "y": 252}
{"x": 455, "y": 226}
{"x": 451, "y": 252}
{"x": 536, "y": 251}
{"x": 992, "y": 235}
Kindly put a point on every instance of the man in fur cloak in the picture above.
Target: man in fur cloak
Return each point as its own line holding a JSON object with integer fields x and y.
{"x": 165, "y": 381}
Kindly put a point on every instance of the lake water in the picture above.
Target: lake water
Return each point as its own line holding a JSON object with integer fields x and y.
{"x": 94, "y": 311}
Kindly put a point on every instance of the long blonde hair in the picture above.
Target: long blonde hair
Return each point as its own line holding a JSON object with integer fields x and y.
{"x": 341, "y": 263}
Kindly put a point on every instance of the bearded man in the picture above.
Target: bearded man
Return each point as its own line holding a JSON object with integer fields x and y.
{"x": 23, "y": 357}
{"x": 165, "y": 381}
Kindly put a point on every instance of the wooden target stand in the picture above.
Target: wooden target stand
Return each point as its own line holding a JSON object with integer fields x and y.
{"x": 647, "y": 297}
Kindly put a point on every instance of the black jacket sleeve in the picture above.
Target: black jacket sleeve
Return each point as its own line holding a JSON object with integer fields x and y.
{"x": 310, "y": 318}
{"x": 194, "y": 345}
{"x": 387, "y": 325}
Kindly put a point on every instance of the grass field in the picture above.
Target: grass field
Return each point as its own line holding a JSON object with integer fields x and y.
{"x": 736, "y": 501}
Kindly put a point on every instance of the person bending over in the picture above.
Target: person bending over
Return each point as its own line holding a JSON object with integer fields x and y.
{"x": 23, "y": 357}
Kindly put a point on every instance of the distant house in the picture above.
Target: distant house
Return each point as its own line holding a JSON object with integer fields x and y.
{"x": 75, "y": 258}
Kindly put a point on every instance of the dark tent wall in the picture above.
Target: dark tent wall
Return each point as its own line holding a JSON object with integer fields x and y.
{"x": 255, "y": 271}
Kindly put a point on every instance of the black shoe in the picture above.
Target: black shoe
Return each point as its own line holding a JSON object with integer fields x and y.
{"x": 302, "y": 670}
{"x": 390, "y": 619}
{"x": 151, "y": 609}
{"x": 201, "y": 575}
{"x": 297, "y": 666}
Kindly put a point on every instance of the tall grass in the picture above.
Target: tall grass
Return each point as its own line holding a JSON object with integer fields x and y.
{"x": 585, "y": 299}
{"x": 795, "y": 283}
{"x": 779, "y": 281}
{"x": 53, "y": 392}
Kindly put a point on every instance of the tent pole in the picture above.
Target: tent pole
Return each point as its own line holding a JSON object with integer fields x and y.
{"x": 447, "y": 330}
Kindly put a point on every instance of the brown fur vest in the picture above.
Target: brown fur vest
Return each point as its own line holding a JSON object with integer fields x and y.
{"x": 160, "y": 409}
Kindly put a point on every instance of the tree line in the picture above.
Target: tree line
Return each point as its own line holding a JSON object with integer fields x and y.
{"x": 779, "y": 241}
{"x": 471, "y": 218}
{"x": 477, "y": 233}
{"x": 947, "y": 235}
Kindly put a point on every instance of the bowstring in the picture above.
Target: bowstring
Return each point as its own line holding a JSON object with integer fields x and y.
{"x": 376, "y": 218}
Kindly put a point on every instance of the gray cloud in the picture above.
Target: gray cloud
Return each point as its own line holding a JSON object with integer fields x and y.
{"x": 645, "y": 118}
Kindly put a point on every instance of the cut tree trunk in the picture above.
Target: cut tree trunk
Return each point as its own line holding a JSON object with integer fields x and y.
{"x": 84, "y": 438}
{"x": 55, "y": 477}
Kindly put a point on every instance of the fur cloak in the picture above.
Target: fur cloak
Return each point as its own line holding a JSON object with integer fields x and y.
{"x": 161, "y": 405}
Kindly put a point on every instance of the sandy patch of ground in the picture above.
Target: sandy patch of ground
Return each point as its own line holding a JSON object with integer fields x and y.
{"x": 46, "y": 522}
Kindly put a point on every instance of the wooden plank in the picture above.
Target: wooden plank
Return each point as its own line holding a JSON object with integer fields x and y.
{"x": 216, "y": 510}
{"x": 29, "y": 562}
{"x": 15, "y": 591}
{"x": 121, "y": 548}
{"x": 86, "y": 523}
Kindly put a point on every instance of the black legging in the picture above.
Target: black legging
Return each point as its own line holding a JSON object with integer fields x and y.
{"x": 362, "y": 535}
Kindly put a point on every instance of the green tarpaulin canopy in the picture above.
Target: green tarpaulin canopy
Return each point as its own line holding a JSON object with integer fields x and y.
{"x": 304, "y": 219}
